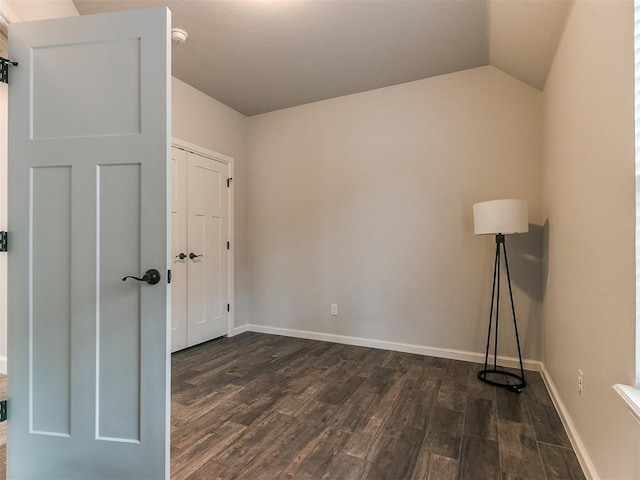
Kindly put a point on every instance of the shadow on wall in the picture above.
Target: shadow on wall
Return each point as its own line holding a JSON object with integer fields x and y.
{"x": 526, "y": 260}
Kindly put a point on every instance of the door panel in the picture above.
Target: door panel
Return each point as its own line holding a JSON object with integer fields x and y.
{"x": 58, "y": 92}
{"x": 118, "y": 321}
{"x": 50, "y": 320}
{"x": 207, "y": 291}
{"x": 88, "y": 204}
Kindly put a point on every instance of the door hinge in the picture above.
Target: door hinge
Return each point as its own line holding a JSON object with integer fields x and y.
{"x": 228, "y": 307}
{"x": 4, "y": 69}
{"x": 168, "y": 276}
{"x": 3, "y": 410}
{"x": 228, "y": 245}
{"x": 4, "y": 242}
{"x": 229, "y": 180}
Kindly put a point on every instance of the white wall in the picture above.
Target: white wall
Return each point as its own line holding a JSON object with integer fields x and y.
{"x": 366, "y": 201}
{"x": 199, "y": 119}
{"x": 589, "y": 206}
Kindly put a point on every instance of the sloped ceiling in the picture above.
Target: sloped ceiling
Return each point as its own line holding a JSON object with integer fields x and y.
{"x": 258, "y": 56}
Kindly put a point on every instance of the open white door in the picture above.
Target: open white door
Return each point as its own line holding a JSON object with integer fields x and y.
{"x": 89, "y": 136}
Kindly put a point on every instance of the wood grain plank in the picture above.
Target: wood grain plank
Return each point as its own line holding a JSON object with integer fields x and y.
{"x": 283, "y": 450}
{"x": 445, "y": 432}
{"x": 480, "y": 418}
{"x": 547, "y": 424}
{"x": 560, "y": 463}
{"x": 442, "y": 468}
{"x": 399, "y": 453}
{"x": 512, "y": 406}
{"x": 204, "y": 449}
{"x": 316, "y": 464}
{"x": 253, "y": 440}
{"x": 479, "y": 459}
{"x": 519, "y": 450}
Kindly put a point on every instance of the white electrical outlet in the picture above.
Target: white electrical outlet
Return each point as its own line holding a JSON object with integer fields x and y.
{"x": 580, "y": 382}
{"x": 334, "y": 309}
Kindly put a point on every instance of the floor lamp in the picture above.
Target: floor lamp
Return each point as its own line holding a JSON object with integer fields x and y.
{"x": 499, "y": 218}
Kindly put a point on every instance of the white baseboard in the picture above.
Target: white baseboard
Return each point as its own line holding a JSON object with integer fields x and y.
{"x": 534, "y": 365}
{"x": 576, "y": 442}
{"x": 238, "y": 330}
{"x": 3, "y": 364}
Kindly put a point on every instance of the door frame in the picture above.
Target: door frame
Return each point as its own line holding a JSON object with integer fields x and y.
{"x": 220, "y": 157}
{"x": 7, "y": 16}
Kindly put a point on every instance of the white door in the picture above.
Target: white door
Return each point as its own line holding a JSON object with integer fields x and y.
{"x": 179, "y": 249}
{"x": 207, "y": 286}
{"x": 199, "y": 213}
{"x": 88, "y": 179}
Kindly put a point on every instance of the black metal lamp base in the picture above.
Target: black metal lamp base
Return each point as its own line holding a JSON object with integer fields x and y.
{"x": 514, "y": 387}
{"x": 494, "y": 376}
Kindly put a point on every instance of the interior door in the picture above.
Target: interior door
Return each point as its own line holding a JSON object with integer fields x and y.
{"x": 179, "y": 249}
{"x": 88, "y": 179}
{"x": 207, "y": 271}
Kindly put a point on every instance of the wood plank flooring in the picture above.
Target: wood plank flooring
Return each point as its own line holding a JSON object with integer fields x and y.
{"x": 265, "y": 407}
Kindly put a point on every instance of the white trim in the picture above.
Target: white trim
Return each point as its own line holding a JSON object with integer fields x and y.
{"x": 204, "y": 152}
{"x": 533, "y": 365}
{"x": 3, "y": 364}
{"x": 631, "y": 396}
{"x": 239, "y": 330}
{"x": 587, "y": 465}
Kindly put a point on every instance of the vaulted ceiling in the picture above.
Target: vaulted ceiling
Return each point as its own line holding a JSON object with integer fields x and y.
{"x": 258, "y": 56}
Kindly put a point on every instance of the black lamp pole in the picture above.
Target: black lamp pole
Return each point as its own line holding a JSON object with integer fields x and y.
{"x": 493, "y": 376}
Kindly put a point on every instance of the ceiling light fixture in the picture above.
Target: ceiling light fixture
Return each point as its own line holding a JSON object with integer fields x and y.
{"x": 178, "y": 35}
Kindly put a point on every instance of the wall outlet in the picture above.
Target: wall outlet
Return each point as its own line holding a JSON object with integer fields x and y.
{"x": 580, "y": 382}
{"x": 334, "y": 309}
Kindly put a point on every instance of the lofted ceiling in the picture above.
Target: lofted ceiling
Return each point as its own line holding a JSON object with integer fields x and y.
{"x": 257, "y": 56}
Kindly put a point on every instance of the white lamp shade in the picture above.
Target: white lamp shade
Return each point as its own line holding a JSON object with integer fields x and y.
{"x": 500, "y": 216}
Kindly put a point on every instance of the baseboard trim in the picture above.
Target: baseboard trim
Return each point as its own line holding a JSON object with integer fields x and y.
{"x": 576, "y": 442}
{"x": 3, "y": 364}
{"x": 238, "y": 330}
{"x": 475, "y": 357}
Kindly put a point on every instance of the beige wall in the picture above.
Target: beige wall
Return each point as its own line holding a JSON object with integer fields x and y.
{"x": 29, "y": 10}
{"x": 366, "y": 201}
{"x": 589, "y": 206}
{"x": 199, "y": 119}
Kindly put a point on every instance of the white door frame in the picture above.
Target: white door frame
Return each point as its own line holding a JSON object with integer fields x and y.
{"x": 220, "y": 157}
{"x": 7, "y": 16}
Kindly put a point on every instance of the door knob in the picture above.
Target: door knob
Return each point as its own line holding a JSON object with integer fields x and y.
{"x": 193, "y": 255}
{"x": 182, "y": 256}
{"x": 151, "y": 276}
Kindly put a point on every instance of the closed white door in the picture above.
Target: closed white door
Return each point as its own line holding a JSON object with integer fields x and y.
{"x": 88, "y": 205}
{"x": 179, "y": 249}
{"x": 207, "y": 270}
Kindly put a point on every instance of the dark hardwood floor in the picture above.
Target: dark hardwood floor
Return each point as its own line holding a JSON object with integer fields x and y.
{"x": 268, "y": 407}
{"x": 259, "y": 407}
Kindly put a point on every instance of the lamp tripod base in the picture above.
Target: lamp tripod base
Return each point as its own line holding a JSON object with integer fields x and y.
{"x": 496, "y": 376}
{"x": 483, "y": 375}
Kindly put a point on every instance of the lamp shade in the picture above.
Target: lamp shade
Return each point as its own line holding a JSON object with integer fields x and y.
{"x": 500, "y": 216}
